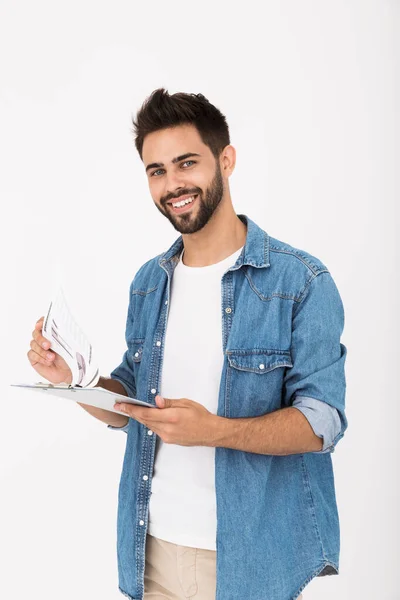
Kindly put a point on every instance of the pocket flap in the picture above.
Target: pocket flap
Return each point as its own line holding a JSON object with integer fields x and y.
{"x": 137, "y": 350}
{"x": 259, "y": 361}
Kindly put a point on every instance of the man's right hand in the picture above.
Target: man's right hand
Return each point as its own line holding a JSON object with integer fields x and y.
{"x": 46, "y": 362}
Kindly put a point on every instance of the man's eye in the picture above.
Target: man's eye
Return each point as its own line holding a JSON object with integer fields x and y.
{"x": 155, "y": 172}
{"x": 188, "y": 161}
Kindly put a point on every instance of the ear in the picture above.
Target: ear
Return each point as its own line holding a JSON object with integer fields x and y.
{"x": 227, "y": 160}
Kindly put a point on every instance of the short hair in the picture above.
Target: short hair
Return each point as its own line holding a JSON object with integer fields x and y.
{"x": 162, "y": 110}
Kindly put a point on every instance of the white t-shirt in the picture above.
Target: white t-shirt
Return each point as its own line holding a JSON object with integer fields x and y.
{"x": 182, "y": 507}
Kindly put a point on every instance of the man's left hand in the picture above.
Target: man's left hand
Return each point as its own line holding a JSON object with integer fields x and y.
{"x": 177, "y": 421}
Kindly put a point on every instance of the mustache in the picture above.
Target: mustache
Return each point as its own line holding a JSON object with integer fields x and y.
{"x": 170, "y": 197}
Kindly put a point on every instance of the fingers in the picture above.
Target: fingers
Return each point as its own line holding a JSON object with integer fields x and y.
{"x": 35, "y": 358}
{"x": 39, "y": 345}
{"x": 38, "y": 337}
{"x": 48, "y": 356}
{"x": 39, "y": 323}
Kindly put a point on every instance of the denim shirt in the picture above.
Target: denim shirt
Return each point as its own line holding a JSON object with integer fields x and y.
{"x": 277, "y": 518}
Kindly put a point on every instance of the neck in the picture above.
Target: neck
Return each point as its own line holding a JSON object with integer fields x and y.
{"x": 222, "y": 236}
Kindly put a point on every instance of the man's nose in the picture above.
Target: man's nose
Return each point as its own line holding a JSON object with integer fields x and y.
{"x": 173, "y": 183}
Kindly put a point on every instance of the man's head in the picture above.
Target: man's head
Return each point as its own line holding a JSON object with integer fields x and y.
{"x": 183, "y": 141}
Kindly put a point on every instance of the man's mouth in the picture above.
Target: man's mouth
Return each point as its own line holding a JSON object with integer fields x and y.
{"x": 183, "y": 204}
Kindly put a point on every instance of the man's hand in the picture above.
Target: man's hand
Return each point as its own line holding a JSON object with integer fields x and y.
{"x": 178, "y": 421}
{"x": 45, "y": 361}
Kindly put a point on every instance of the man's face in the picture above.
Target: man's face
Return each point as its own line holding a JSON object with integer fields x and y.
{"x": 180, "y": 166}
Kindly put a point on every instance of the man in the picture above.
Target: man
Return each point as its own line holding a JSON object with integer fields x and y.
{"x": 227, "y": 490}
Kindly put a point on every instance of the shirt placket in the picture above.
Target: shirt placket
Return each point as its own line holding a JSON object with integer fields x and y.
{"x": 149, "y": 441}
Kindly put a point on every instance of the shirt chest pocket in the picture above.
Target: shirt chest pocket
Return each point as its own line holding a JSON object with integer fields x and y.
{"x": 255, "y": 381}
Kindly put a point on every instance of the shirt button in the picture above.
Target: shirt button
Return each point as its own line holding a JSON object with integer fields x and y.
{"x": 166, "y": 302}
{"x": 153, "y": 391}
{"x": 228, "y": 310}
{"x": 141, "y": 522}
{"x": 262, "y": 366}
{"x": 136, "y": 354}
{"x": 150, "y": 432}
{"x": 145, "y": 477}
{"x": 158, "y": 343}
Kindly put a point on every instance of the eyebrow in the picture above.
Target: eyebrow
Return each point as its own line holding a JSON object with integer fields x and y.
{"x": 174, "y": 160}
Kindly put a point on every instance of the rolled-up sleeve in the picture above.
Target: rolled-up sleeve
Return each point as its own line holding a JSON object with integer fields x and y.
{"x": 124, "y": 373}
{"x": 323, "y": 418}
{"x": 318, "y": 356}
{"x": 124, "y": 428}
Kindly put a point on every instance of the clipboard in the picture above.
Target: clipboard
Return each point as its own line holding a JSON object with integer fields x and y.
{"x": 97, "y": 396}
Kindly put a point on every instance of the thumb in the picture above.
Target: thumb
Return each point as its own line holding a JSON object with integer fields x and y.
{"x": 163, "y": 402}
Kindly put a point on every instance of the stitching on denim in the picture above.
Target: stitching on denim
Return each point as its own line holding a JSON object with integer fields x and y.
{"x": 306, "y": 480}
{"x": 143, "y": 292}
{"x": 326, "y": 563}
{"x": 126, "y": 594}
{"x": 228, "y": 376}
{"x": 255, "y": 351}
{"x": 139, "y": 351}
{"x": 266, "y": 298}
{"x": 149, "y": 450}
{"x": 267, "y": 245}
{"x": 255, "y": 369}
{"x": 158, "y": 333}
{"x": 282, "y": 359}
{"x": 308, "y": 283}
{"x": 302, "y": 257}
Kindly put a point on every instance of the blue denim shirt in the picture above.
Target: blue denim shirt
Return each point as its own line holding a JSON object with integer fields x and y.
{"x": 277, "y": 518}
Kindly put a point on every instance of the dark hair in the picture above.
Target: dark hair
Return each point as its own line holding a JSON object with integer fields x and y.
{"x": 161, "y": 110}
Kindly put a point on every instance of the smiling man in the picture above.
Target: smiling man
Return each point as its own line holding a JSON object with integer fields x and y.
{"x": 227, "y": 489}
{"x": 200, "y": 170}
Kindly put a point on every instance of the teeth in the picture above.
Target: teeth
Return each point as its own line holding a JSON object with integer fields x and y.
{"x": 183, "y": 202}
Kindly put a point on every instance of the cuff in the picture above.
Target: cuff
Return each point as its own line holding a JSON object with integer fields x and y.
{"x": 123, "y": 428}
{"x": 323, "y": 418}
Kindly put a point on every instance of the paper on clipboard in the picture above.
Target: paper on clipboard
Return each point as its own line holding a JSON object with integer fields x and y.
{"x": 97, "y": 396}
{"x": 68, "y": 340}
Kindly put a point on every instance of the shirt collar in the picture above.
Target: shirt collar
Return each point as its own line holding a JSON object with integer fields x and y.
{"x": 254, "y": 253}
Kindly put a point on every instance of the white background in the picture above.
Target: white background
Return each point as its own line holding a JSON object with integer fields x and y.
{"x": 308, "y": 89}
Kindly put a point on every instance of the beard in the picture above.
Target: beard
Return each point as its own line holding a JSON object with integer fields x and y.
{"x": 191, "y": 222}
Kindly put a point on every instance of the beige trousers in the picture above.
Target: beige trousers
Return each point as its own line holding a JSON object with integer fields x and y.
{"x": 176, "y": 572}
